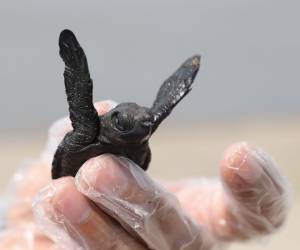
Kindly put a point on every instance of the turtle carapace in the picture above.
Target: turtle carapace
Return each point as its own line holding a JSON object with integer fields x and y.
{"x": 124, "y": 130}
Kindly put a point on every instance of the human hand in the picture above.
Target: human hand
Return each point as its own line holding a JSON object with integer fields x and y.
{"x": 252, "y": 201}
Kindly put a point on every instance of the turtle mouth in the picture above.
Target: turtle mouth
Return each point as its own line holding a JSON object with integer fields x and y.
{"x": 147, "y": 124}
{"x": 146, "y": 138}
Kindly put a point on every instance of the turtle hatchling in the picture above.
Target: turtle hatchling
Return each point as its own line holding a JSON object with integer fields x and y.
{"x": 126, "y": 129}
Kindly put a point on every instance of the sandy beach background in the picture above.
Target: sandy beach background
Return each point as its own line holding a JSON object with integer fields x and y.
{"x": 180, "y": 152}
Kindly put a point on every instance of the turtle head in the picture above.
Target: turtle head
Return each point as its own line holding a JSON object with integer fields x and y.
{"x": 127, "y": 123}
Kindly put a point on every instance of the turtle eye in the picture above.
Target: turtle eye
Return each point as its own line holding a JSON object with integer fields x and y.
{"x": 121, "y": 122}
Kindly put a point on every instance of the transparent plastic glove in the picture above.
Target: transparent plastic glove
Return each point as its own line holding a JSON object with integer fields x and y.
{"x": 18, "y": 229}
{"x": 125, "y": 192}
{"x": 250, "y": 200}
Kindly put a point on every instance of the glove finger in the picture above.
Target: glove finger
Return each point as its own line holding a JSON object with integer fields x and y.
{"x": 73, "y": 222}
{"x": 251, "y": 201}
{"x": 256, "y": 195}
{"x": 124, "y": 191}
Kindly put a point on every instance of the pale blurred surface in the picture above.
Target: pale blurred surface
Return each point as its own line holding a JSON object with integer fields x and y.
{"x": 195, "y": 151}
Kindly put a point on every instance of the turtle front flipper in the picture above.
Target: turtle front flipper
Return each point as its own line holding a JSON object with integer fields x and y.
{"x": 79, "y": 90}
{"x": 172, "y": 91}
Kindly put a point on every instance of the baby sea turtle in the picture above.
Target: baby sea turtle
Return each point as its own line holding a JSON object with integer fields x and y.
{"x": 124, "y": 130}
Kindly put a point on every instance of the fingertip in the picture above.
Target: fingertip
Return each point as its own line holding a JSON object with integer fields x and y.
{"x": 42, "y": 205}
{"x": 73, "y": 205}
{"x": 255, "y": 194}
{"x": 56, "y": 133}
{"x": 61, "y": 199}
{"x": 235, "y": 153}
{"x": 238, "y": 170}
{"x": 103, "y": 174}
{"x": 60, "y": 127}
{"x": 105, "y": 106}
{"x": 108, "y": 177}
{"x": 53, "y": 187}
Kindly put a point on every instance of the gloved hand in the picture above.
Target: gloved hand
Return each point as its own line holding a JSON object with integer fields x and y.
{"x": 113, "y": 204}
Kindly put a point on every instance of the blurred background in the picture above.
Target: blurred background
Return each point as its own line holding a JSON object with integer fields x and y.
{"x": 247, "y": 88}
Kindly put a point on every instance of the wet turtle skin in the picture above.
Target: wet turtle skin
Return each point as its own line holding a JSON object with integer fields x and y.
{"x": 125, "y": 130}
